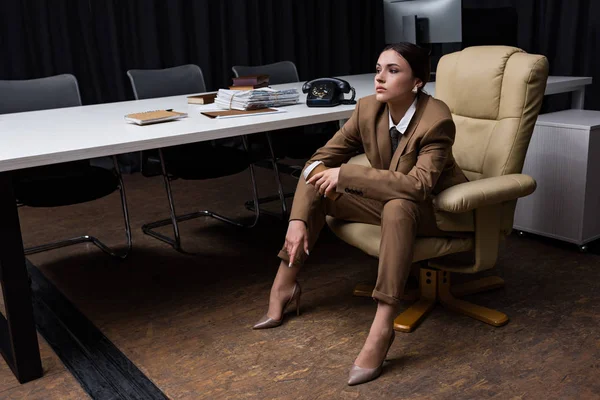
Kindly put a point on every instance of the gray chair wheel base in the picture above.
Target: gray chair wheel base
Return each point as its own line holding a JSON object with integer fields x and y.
{"x": 174, "y": 219}
{"x": 91, "y": 239}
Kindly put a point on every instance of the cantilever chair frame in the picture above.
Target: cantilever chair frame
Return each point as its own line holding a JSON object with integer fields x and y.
{"x": 174, "y": 219}
{"x": 93, "y": 239}
{"x": 86, "y": 238}
{"x": 240, "y": 70}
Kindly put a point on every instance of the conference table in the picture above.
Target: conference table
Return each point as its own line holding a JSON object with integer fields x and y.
{"x": 46, "y": 137}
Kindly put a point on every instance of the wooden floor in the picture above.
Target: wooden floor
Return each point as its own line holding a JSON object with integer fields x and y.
{"x": 185, "y": 320}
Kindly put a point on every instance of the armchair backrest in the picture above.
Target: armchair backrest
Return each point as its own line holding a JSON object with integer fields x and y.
{"x": 495, "y": 94}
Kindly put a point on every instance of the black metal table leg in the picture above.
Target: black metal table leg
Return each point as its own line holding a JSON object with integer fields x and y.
{"x": 18, "y": 337}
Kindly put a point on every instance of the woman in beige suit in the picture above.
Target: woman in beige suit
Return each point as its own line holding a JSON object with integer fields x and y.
{"x": 407, "y": 137}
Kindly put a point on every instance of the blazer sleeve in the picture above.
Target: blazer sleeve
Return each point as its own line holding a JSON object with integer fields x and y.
{"x": 417, "y": 184}
{"x": 339, "y": 149}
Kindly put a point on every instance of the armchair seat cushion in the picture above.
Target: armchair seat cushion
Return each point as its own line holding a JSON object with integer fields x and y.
{"x": 63, "y": 184}
{"x": 367, "y": 237}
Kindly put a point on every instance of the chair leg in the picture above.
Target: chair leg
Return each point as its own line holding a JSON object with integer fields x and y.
{"x": 489, "y": 316}
{"x": 281, "y": 195}
{"x": 175, "y": 242}
{"x": 408, "y": 320}
{"x": 92, "y": 239}
{"x": 277, "y": 177}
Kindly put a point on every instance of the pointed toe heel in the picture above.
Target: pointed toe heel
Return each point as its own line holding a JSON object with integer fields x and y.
{"x": 267, "y": 322}
{"x": 359, "y": 375}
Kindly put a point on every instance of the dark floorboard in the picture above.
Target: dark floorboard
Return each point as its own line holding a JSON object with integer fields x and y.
{"x": 185, "y": 321}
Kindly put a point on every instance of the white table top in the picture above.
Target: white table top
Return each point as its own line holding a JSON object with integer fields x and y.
{"x": 67, "y": 134}
{"x": 573, "y": 119}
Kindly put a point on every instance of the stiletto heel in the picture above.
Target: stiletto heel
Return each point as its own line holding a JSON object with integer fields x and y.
{"x": 360, "y": 375}
{"x": 267, "y": 322}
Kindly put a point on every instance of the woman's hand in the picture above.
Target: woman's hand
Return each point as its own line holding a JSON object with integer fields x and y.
{"x": 296, "y": 238}
{"x": 326, "y": 181}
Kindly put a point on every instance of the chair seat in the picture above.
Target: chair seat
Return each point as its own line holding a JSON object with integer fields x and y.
{"x": 63, "y": 184}
{"x": 367, "y": 238}
{"x": 204, "y": 161}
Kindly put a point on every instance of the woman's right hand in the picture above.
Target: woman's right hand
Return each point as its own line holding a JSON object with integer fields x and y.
{"x": 296, "y": 238}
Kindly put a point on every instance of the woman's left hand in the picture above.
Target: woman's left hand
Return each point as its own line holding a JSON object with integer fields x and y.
{"x": 325, "y": 182}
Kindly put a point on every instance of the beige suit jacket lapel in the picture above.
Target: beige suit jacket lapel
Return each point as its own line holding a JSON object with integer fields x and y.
{"x": 410, "y": 130}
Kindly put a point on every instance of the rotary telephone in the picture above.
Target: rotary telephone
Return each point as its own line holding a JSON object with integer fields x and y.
{"x": 327, "y": 92}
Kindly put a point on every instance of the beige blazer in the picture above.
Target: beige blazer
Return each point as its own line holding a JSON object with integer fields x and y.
{"x": 421, "y": 166}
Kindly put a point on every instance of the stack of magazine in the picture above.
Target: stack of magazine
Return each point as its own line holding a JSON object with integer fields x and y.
{"x": 256, "y": 99}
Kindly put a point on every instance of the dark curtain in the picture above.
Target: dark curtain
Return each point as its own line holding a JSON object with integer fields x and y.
{"x": 99, "y": 40}
{"x": 567, "y": 32}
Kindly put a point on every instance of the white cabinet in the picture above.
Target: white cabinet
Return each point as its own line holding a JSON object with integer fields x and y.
{"x": 564, "y": 158}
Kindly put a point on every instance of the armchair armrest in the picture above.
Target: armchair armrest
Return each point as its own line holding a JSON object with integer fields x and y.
{"x": 484, "y": 192}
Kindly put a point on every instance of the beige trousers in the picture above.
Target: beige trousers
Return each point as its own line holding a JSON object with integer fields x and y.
{"x": 401, "y": 222}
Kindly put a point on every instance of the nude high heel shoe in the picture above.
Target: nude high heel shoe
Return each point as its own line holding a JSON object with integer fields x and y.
{"x": 360, "y": 375}
{"x": 266, "y": 322}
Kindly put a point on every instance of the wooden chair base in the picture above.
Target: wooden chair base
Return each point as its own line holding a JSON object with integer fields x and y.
{"x": 435, "y": 287}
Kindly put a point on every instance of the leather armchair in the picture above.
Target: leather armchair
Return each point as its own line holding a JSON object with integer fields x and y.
{"x": 495, "y": 94}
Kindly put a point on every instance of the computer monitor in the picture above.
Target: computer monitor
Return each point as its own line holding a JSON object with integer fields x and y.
{"x": 423, "y": 21}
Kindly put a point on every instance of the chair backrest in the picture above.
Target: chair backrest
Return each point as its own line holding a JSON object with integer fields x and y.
{"x": 279, "y": 72}
{"x": 39, "y": 94}
{"x": 151, "y": 83}
{"x": 495, "y": 94}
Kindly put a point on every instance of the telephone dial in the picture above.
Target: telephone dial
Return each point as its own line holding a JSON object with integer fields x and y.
{"x": 327, "y": 92}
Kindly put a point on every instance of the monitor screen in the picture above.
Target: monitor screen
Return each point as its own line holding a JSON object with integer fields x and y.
{"x": 423, "y": 21}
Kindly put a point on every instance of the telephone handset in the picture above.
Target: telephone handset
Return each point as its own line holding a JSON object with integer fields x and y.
{"x": 327, "y": 92}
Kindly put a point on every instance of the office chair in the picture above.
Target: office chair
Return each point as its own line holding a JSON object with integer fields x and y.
{"x": 197, "y": 161}
{"x": 298, "y": 142}
{"x": 66, "y": 183}
{"x": 495, "y": 94}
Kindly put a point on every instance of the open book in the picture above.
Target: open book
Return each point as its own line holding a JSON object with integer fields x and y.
{"x": 152, "y": 117}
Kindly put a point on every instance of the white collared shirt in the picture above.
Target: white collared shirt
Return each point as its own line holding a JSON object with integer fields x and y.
{"x": 403, "y": 124}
